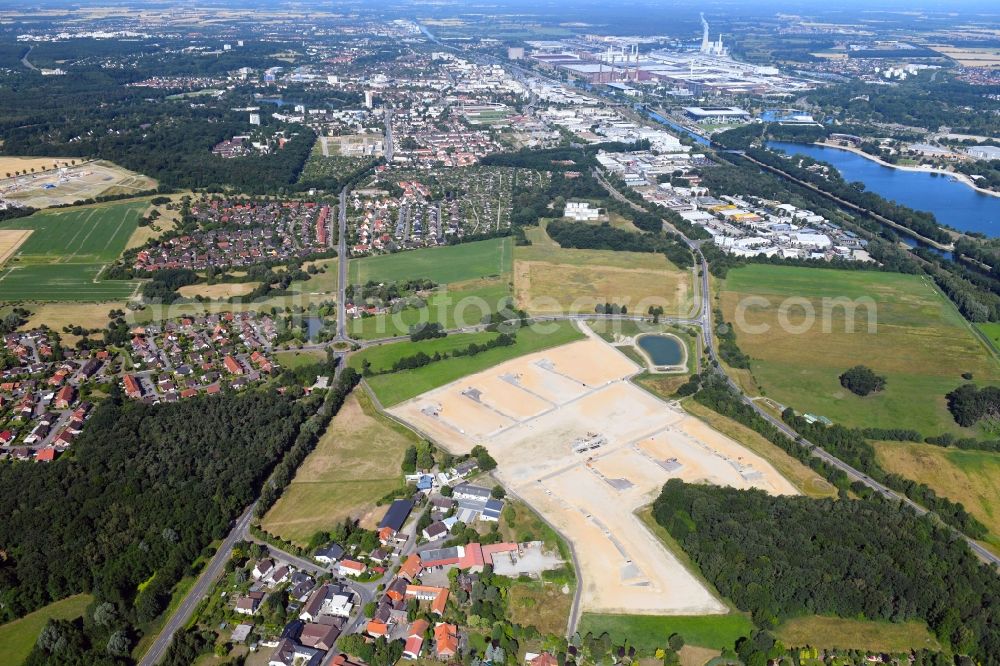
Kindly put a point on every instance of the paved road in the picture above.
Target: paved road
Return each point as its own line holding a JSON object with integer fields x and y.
{"x": 342, "y": 262}
{"x": 388, "y": 148}
{"x": 200, "y": 588}
{"x": 26, "y": 62}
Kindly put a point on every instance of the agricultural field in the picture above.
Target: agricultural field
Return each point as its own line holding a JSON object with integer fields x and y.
{"x": 455, "y": 306}
{"x": 394, "y": 388}
{"x": 920, "y": 344}
{"x": 452, "y": 263}
{"x": 68, "y": 183}
{"x": 969, "y": 477}
{"x": 356, "y": 462}
{"x": 551, "y": 280}
{"x": 835, "y": 632}
{"x": 18, "y": 637}
{"x": 64, "y": 254}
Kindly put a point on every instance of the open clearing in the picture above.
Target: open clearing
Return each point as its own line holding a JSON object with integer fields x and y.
{"x": 220, "y": 290}
{"x": 17, "y": 638}
{"x": 399, "y": 386}
{"x": 57, "y": 315}
{"x": 969, "y": 477}
{"x": 531, "y": 412}
{"x": 922, "y": 345}
{"x": 326, "y": 489}
{"x": 451, "y": 263}
{"x": 551, "y": 280}
{"x": 69, "y": 184}
{"x": 835, "y": 632}
{"x": 66, "y": 251}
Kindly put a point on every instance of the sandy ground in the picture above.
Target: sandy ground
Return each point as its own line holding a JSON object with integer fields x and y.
{"x": 218, "y": 290}
{"x": 530, "y": 411}
{"x": 70, "y": 184}
{"x": 10, "y": 240}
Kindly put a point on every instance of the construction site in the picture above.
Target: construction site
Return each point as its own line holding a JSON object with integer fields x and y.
{"x": 586, "y": 448}
{"x": 68, "y": 184}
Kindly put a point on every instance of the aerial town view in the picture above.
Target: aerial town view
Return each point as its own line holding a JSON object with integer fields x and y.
{"x": 500, "y": 333}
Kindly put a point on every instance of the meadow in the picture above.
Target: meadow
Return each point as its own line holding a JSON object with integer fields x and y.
{"x": 647, "y": 633}
{"x": 921, "y": 344}
{"x": 551, "y": 280}
{"x": 969, "y": 477}
{"x": 836, "y": 632}
{"x": 456, "y": 305}
{"x": 17, "y": 638}
{"x": 382, "y": 357}
{"x": 356, "y": 462}
{"x": 450, "y": 263}
{"x": 67, "y": 249}
{"x": 397, "y": 387}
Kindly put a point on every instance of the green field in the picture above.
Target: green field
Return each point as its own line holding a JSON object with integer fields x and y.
{"x": 922, "y": 345}
{"x": 465, "y": 304}
{"x": 382, "y": 357}
{"x": 649, "y": 632}
{"x": 992, "y": 332}
{"x": 356, "y": 462}
{"x": 17, "y": 638}
{"x": 451, "y": 263}
{"x": 394, "y": 388}
{"x": 66, "y": 251}
{"x": 833, "y": 632}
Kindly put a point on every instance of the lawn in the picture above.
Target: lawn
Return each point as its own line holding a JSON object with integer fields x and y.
{"x": 969, "y": 477}
{"x": 66, "y": 251}
{"x": 296, "y": 359}
{"x": 649, "y": 632}
{"x": 801, "y": 475}
{"x": 921, "y": 344}
{"x": 356, "y": 462}
{"x": 992, "y": 332}
{"x": 382, "y": 357}
{"x": 552, "y": 280}
{"x": 320, "y": 283}
{"x": 17, "y": 638}
{"x": 454, "y": 306}
{"x": 394, "y": 388}
{"x": 451, "y": 263}
{"x": 833, "y": 632}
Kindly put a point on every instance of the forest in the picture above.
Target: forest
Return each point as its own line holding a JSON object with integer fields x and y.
{"x": 605, "y": 237}
{"x": 145, "y": 489}
{"x": 783, "y": 557}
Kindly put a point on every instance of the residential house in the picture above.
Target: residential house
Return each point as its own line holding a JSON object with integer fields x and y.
{"x": 415, "y": 639}
{"x": 445, "y": 640}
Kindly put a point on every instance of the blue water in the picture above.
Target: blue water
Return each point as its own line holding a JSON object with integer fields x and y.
{"x": 952, "y": 203}
{"x": 662, "y": 349}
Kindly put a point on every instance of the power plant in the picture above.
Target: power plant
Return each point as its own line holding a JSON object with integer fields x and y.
{"x": 707, "y": 46}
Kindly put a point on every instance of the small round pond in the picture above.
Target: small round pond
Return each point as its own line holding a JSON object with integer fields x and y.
{"x": 662, "y": 350}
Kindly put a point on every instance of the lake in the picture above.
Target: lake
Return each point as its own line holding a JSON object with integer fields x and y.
{"x": 951, "y": 202}
{"x": 662, "y": 349}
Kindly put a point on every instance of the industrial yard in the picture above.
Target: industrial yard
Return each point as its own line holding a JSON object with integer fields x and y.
{"x": 587, "y": 448}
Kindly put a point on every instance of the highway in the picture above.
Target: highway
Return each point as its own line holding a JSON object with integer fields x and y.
{"x": 204, "y": 583}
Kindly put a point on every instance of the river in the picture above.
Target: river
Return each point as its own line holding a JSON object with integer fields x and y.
{"x": 952, "y": 203}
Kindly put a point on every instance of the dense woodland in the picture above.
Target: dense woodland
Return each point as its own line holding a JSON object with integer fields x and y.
{"x": 782, "y": 557}
{"x": 143, "y": 492}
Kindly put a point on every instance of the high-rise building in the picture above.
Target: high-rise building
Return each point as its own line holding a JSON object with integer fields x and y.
{"x": 369, "y": 99}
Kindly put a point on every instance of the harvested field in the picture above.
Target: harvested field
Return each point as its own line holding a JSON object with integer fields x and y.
{"x": 68, "y": 184}
{"x": 220, "y": 290}
{"x": 10, "y": 240}
{"x": 537, "y": 415}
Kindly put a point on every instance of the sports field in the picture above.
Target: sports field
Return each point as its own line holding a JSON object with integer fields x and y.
{"x": 456, "y": 305}
{"x": 356, "y": 462}
{"x": 451, "y": 263}
{"x": 66, "y": 251}
{"x": 920, "y": 343}
{"x": 551, "y": 280}
{"x": 394, "y": 388}
{"x": 969, "y": 477}
{"x": 18, "y": 637}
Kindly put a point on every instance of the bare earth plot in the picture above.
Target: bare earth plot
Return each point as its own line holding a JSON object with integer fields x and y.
{"x": 72, "y": 183}
{"x": 533, "y": 411}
